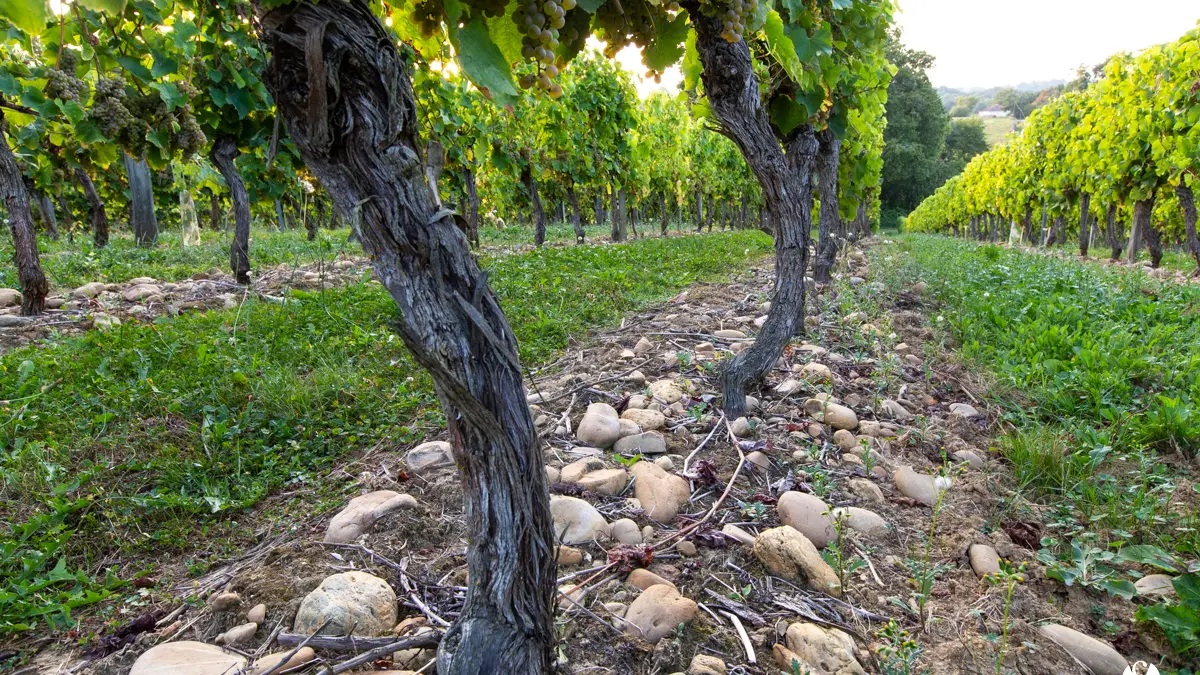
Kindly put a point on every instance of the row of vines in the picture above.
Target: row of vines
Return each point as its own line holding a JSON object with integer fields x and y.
{"x": 343, "y": 87}
{"x": 1120, "y": 159}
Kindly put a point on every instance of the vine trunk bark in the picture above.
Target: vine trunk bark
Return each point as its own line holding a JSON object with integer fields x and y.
{"x": 1110, "y": 224}
{"x": 784, "y": 174}
{"x": 34, "y": 287}
{"x": 1085, "y": 225}
{"x": 99, "y": 214}
{"x": 142, "y": 217}
{"x": 576, "y": 216}
{"x": 472, "y": 214}
{"x": 357, "y": 130}
{"x": 1187, "y": 202}
{"x": 539, "y": 214}
{"x": 224, "y": 151}
{"x": 827, "y": 182}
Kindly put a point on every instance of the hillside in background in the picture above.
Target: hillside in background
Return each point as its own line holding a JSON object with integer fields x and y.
{"x": 987, "y": 95}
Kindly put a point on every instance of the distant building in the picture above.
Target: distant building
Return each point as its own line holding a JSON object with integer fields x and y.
{"x": 994, "y": 110}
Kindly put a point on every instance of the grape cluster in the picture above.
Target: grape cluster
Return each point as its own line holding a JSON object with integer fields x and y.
{"x": 126, "y": 119}
{"x": 735, "y": 19}
{"x": 632, "y": 23}
{"x": 109, "y": 112}
{"x": 61, "y": 82}
{"x": 541, "y": 25}
{"x": 428, "y": 16}
{"x": 490, "y": 8}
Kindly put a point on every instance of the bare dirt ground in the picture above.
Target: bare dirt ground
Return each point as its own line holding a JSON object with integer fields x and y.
{"x": 882, "y": 358}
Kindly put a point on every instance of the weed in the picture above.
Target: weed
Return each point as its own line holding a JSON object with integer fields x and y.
{"x": 1007, "y": 579}
{"x": 898, "y": 651}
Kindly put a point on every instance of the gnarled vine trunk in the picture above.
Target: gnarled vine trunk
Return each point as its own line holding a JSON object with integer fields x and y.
{"x": 1114, "y": 241}
{"x": 99, "y": 214}
{"x": 620, "y": 215}
{"x": 699, "y": 209}
{"x": 662, "y": 215}
{"x": 472, "y": 214}
{"x": 733, "y": 94}
{"x": 214, "y": 210}
{"x": 46, "y": 208}
{"x": 1085, "y": 223}
{"x": 68, "y": 219}
{"x": 344, "y": 93}
{"x": 34, "y": 287}
{"x": 576, "y": 216}
{"x": 1187, "y": 202}
{"x": 598, "y": 208}
{"x": 827, "y": 182}
{"x": 142, "y": 217}
{"x": 1142, "y": 210}
{"x": 535, "y": 202}
{"x": 224, "y": 151}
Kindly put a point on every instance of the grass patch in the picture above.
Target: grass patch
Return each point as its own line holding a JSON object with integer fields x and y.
{"x": 151, "y": 440}
{"x": 1107, "y": 376}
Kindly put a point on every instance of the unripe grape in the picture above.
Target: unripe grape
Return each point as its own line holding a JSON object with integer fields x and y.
{"x": 544, "y": 82}
{"x": 526, "y": 81}
{"x": 548, "y": 6}
{"x": 568, "y": 4}
{"x": 555, "y": 91}
{"x": 552, "y": 70}
{"x": 558, "y": 22}
{"x": 527, "y": 52}
{"x": 533, "y": 31}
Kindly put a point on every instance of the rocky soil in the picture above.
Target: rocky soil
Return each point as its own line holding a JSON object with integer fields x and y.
{"x": 789, "y": 541}
{"x": 98, "y": 305}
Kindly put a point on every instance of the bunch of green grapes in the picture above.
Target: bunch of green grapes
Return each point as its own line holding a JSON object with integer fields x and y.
{"x": 190, "y": 138}
{"x": 109, "y": 111}
{"x": 736, "y": 18}
{"x": 633, "y": 23}
{"x": 541, "y": 25}
{"x": 490, "y": 8}
{"x": 61, "y": 82}
{"x": 428, "y": 16}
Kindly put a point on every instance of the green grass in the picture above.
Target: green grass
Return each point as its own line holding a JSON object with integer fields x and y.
{"x": 154, "y": 441}
{"x": 995, "y": 129}
{"x": 70, "y": 265}
{"x": 1104, "y": 375}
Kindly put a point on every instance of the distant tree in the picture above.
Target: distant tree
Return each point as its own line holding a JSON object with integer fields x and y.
{"x": 1018, "y": 103}
{"x": 964, "y": 106}
{"x": 964, "y": 140}
{"x": 916, "y": 132}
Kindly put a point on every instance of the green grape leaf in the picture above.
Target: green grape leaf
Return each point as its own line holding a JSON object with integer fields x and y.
{"x": 590, "y": 6}
{"x": 668, "y": 39}
{"x": 114, "y": 7}
{"x": 87, "y": 133}
{"x": 691, "y": 62}
{"x": 28, "y": 15}
{"x": 163, "y": 65}
{"x": 72, "y": 110}
{"x": 843, "y": 4}
{"x": 1118, "y": 587}
{"x": 9, "y": 85}
{"x": 787, "y": 114}
{"x": 782, "y": 47}
{"x": 506, "y": 35}
{"x": 482, "y": 61}
{"x": 135, "y": 68}
{"x": 161, "y": 138}
{"x": 183, "y": 33}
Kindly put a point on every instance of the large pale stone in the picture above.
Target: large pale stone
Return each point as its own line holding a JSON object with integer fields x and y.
{"x": 789, "y": 554}
{"x": 576, "y": 521}
{"x": 430, "y": 456}
{"x": 808, "y": 514}
{"x": 141, "y": 292}
{"x": 576, "y": 470}
{"x": 657, "y": 612}
{"x": 647, "y": 443}
{"x": 666, "y": 391}
{"x": 984, "y": 560}
{"x": 362, "y": 512}
{"x": 9, "y": 297}
{"x": 186, "y": 658}
{"x": 833, "y": 414}
{"x": 861, "y": 520}
{"x": 605, "y": 481}
{"x": 918, "y": 486}
{"x": 648, "y": 420}
{"x": 269, "y": 661}
{"x": 89, "y": 290}
{"x": 1098, "y": 657}
{"x": 600, "y": 426}
{"x": 354, "y": 601}
{"x": 827, "y": 651}
{"x": 660, "y": 493}
{"x": 1155, "y": 586}
{"x": 817, "y": 372}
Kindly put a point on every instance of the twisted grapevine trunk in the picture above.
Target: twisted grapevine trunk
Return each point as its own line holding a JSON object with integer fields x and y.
{"x": 539, "y": 214}
{"x": 1142, "y": 211}
{"x": 1085, "y": 224}
{"x": 733, "y": 94}
{"x": 344, "y": 93}
{"x": 34, "y": 286}
{"x": 472, "y": 214}
{"x": 827, "y": 181}
{"x": 224, "y": 151}
{"x": 142, "y": 217}
{"x": 96, "y": 207}
{"x": 576, "y": 216}
{"x": 1114, "y": 241}
{"x": 1188, "y": 202}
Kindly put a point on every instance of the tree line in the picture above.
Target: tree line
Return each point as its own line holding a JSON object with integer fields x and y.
{"x": 1118, "y": 158}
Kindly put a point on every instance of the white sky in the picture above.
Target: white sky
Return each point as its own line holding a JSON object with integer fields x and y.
{"x": 980, "y": 44}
